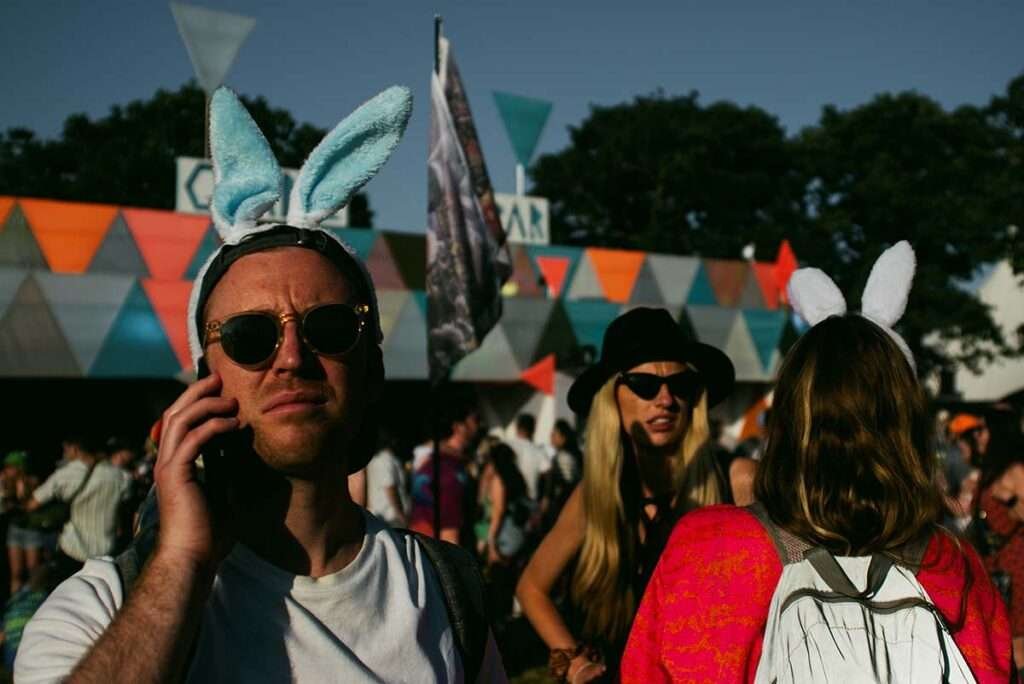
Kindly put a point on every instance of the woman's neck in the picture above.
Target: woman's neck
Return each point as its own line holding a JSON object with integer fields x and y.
{"x": 655, "y": 470}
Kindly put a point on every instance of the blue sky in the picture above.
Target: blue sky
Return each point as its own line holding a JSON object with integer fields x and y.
{"x": 321, "y": 58}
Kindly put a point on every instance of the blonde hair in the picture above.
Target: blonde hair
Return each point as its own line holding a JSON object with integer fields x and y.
{"x": 603, "y": 582}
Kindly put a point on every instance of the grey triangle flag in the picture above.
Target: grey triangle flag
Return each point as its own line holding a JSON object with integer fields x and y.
{"x": 212, "y": 39}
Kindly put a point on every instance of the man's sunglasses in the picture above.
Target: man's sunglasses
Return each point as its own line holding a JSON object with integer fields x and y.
{"x": 685, "y": 385}
{"x": 251, "y": 338}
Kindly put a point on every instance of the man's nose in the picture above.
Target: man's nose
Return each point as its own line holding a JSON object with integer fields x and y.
{"x": 291, "y": 353}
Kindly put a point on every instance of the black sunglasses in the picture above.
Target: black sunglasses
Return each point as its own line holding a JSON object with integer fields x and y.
{"x": 685, "y": 385}
{"x": 251, "y": 338}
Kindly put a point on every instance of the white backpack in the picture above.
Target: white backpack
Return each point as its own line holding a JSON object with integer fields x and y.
{"x": 853, "y": 619}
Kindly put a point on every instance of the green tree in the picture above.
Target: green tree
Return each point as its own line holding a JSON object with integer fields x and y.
{"x": 668, "y": 174}
{"x": 127, "y": 157}
{"x": 901, "y": 167}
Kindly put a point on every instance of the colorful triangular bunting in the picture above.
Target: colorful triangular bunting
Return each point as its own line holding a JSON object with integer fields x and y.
{"x": 31, "y": 342}
{"x": 712, "y": 323}
{"x": 493, "y": 360}
{"x": 68, "y": 233}
{"x": 589, "y": 319}
{"x": 764, "y": 274}
{"x": 675, "y": 276}
{"x": 405, "y": 349}
{"x": 525, "y": 281}
{"x": 10, "y": 282}
{"x": 541, "y": 375}
{"x": 557, "y": 264}
{"x": 167, "y": 240}
{"x": 645, "y": 290}
{"x": 740, "y": 350}
{"x": 18, "y": 246}
{"x": 585, "y": 283}
{"x": 136, "y": 345}
{"x": 118, "y": 252}
{"x": 169, "y": 299}
{"x": 211, "y": 241}
{"x": 701, "y": 292}
{"x": 617, "y": 270}
{"x": 359, "y": 239}
{"x": 390, "y": 304}
{"x": 524, "y": 319}
{"x": 785, "y": 264}
{"x": 6, "y": 204}
{"x": 382, "y": 267}
{"x": 727, "y": 279}
{"x": 765, "y": 329}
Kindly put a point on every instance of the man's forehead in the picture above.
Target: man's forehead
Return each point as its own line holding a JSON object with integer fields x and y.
{"x": 282, "y": 275}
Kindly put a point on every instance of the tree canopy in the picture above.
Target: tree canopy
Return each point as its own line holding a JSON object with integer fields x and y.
{"x": 127, "y": 157}
{"x": 672, "y": 175}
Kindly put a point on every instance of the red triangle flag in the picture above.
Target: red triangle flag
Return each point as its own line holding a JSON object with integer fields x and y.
{"x": 541, "y": 375}
{"x": 166, "y": 239}
{"x": 554, "y": 270}
{"x": 785, "y": 264}
{"x": 169, "y": 299}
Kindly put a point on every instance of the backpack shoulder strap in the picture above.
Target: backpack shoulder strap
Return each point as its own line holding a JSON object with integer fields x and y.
{"x": 790, "y": 548}
{"x": 463, "y": 589}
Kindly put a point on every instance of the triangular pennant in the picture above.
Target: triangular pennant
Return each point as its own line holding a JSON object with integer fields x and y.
{"x": 785, "y": 264}
{"x": 675, "y": 276}
{"x": 525, "y": 280}
{"x": 10, "y": 281}
{"x": 211, "y": 241}
{"x": 585, "y": 283}
{"x": 212, "y": 40}
{"x": 84, "y": 308}
{"x": 68, "y": 233}
{"x": 740, "y": 350}
{"x": 405, "y": 349}
{"x": 169, "y": 298}
{"x": 359, "y": 239}
{"x": 382, "y": 267}
{"x": 136, "y": 346}
{"x": 764, "y": 274}
{"x": 6, "y": 204}
{"x": 557, "y": 336}
{"x": 18, "y": 246}
{"x": 409, "y": 254}
{"x": 31, "y": 342}
{"x": 750, "y": 295}
{"x": 617, "y": 270}
{"x": 390, "y": 304}
{"x": 492, "y": 361}
{"x": 167, "y": 240}
{"x": 727, "y": 279}
{"x": 118, "y": 252}
{"x": 553, "y": 271}
{"x": 765, "y": 329}
{"x": 541, "y": 375}
{"x": 524, "y": 119}
{"x": 524, "y": 319}
{"x": 701, "y": 292}
{"x": 590, "y": 319}
{"x": 646, "y": 291}
{"x": 712, "y": 323}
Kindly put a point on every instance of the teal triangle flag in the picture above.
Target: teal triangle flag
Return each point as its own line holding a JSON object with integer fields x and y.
{"x": 524, "y": 119}
{"x": 701, "y": 292}
{"x": 136, "y": 345}
{"x": 210, "y": 242}
{"x": 765, "y": 328}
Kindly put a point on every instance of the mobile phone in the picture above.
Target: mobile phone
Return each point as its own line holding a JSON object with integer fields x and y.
{"x": 219, "y": 454}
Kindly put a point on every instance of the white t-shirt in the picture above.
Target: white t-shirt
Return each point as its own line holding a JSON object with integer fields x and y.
{"x": 92, "y": 530}
{"x": 383, "y": 471}
{"x": 532, "y": 460}
{"x": 382, "y": 618}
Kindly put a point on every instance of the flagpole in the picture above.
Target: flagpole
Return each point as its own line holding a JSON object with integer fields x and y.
{"x": 435, "y": 389}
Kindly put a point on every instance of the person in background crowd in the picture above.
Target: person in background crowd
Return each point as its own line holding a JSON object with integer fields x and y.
{"x": 646, "y": 462}
{"x": 997, "y": 529}
{"x": 121, "y": 454}
{"x": 970, "y": 435}
{"x": 531, "y": 458}
{"x": 386, "y": 484}
{"x": 27, "y": 545}
{"x": 847, "y": 469}
{"x": 563, "y": 475}
{"x": 458, "y": 424}
{"x": 95, "y": 491}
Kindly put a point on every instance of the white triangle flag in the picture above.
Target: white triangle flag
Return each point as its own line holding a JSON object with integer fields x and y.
{"x": 212, "y": 39}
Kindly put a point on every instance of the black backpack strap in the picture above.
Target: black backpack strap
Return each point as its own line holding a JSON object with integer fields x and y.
{"x": 791, "y": 549}
{"x": 463, "y": 589}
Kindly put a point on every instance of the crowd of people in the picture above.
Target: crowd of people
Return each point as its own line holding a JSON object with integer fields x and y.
{"x": 640, "y": 550}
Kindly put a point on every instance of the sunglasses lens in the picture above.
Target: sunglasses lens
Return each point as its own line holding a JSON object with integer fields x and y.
{"x": 249, "y": 339}
{"x": 332, "y": 329}
{"x": 684, "y": 386}
{"x": 643, "y": 385}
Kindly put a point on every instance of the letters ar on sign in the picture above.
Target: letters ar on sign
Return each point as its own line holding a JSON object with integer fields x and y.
{"x": 524, "y": 218}
{"x": 195, "y": 185}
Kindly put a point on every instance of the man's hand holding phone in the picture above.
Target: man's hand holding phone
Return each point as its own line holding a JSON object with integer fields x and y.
{"x": 189, "y": 530}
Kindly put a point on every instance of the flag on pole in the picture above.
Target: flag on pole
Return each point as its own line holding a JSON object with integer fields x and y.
{"x": 467, "y": 258}
{"x": 212, "y": 39}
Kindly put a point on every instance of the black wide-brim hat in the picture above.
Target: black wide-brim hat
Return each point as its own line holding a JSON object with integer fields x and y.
{"x": 642, "y": 335}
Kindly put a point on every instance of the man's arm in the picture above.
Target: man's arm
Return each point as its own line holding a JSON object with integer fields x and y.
{"x": 150, "y": 637}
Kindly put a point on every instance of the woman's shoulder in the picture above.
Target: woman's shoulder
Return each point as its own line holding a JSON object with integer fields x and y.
{"x": 721, "y": 533}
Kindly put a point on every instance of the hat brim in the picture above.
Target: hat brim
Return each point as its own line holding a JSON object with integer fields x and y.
{"x": 715, "y": 368}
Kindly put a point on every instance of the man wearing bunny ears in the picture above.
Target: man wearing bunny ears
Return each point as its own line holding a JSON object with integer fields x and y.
{"x": 263, "y": 568}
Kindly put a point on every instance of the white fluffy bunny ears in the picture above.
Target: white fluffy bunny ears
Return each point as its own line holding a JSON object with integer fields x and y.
{"x": 248, "y": 181}
{"x": 815, "y": 296}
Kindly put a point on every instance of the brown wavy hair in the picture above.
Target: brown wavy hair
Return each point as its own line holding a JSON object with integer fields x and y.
{"x": 848, "y": 462}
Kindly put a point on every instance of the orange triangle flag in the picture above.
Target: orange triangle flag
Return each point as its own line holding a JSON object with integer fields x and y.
{"x": 554, "y": 270}
{"x": 169, "y": 298}
{"x": 765, "y": 273}
{"x": 68, "y": 233}
{"x": 541, "y": 375}
{"x": 167, "y": 240}
{"x": 785, "y": 264}
{"x": 616, "y": 270}
{"x": 6, "y": 204}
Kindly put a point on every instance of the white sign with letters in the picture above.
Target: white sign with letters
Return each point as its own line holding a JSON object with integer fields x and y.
{"x": 195, "y": 185}
{"x": 524, "y": 218}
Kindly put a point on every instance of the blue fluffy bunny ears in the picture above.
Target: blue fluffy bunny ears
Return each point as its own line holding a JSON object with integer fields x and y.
{"x": 815, "y": 296}
{"x": 248, "y": 180}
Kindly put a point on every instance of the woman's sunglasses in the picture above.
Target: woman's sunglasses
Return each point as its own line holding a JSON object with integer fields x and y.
{"x": 251, "y": 338}
{"x": 685, "y": 385}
